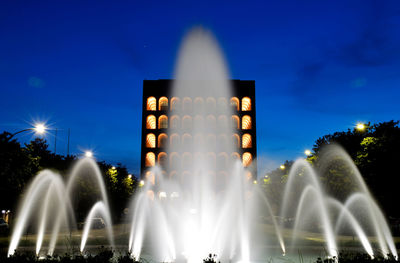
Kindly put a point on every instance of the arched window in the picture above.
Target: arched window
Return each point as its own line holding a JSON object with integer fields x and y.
{"x": 175, "y": 103}
{"x": 199, "y": 121}
{"x": 174, "y": 161}
{"x": 211, "y": 160}
{"x": 247, "y": 158}
{"x": 163, "y": 103}
{"x": 186, "y": 161}
{"x": 162, "y": 140}
{"x": 198, "y": 141}
{"x": 211, "y": 141}
{"x": 246, "y": 104}
{"x": 150, "y": 159}
{"x": 222, "y": 104}
{"x": 222, "y": 141}
{"x": 187, "y": 140}
{"x": 246, "y": 122}
{"x": 246, "y": 141}
{"x": 211, "y": 104}
{"x": 151, "y": 122}
{"x": 150, "y": 141}
{"x": 235, "y": 122}
{"x": 175, "y": 122}
{"x": 162, "y": 158}
{"x": 163, "y": 122}
{"x": 175, "y": 140}
{"x": 222, "y": 122}
{"x": 235, "y": 103}
{"x": 249, "y": 176}
{"x": 211, "y": 122}
{"x": 235, "y": 156}
{"x": 236, "y": 140}
{"x": 151, "y": 104}
{"x": 187, "y": 122}
{"x": 187, "y": 104}
{"x": 173, "y": 175}
{"x": 222, "y": 161}
{"x": 198, "y": 104}
{"x": 150, "y": 177}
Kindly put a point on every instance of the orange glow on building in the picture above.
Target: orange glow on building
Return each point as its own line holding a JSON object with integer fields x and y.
{"x": 246, "y": 141}
{"x": 151, "y": 122}
{"x": 150, "y": 141}
{"x": 175, "y": 103}
{"x": 163, "y": 122}
{"x": 246, "y": 122}
{"x": 236, "y": 140}
{"x": 162, "y": 158}
{"x": 235, "y": 122}
{"x": 150, "y": 159}
{"x": 247, "y": 159}
{"x": 246, "y": 104}
{"x": 162, "y": 140}
{"x": 235, "y": 103}
{"x": 163, "y": 103}
{"x": 151, "y": 104}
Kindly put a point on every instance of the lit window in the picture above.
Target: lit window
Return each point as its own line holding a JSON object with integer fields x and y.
{"x": 175, "y": 140}
{"x": 222, "y": 104}
{"x": 151, "y": 122}
{"x": 187, "y": 140}
{"x": 174, "y": 161}
{"x": 162, "y": 140}
{"x": 223, "y": 161}
{"x": 211, "y": 122}
{"x": 246, "y": 104}
{"x": 235, "y": 103}
{"x": 175, "y": 122}
{"x": 247, "y": 158}
{"x": 175, "y": 103}
{"x": 150, "y": 159}
{"x": 235, "y": 122}
{"x": 150, "y": 141}
{"x": 187, "y": 122}
{"x": 236, "y": 140}
{"x": 235, "y": 156}
{"x": 198, "y": 104}
{"x": 211, "y": 160}
{"x": 222, "y": 122}
{"x": 163, "y": 103}
{"x": 150, "y": 177}
{"x": 151, "y": 103}
{"x": 187, "y": 104}
{"x": 211, "y": 104}
{"x": 246, "y": 122}
{"x": 186, "y": 160}
{"x": 162, "y": 158}
{"x": 163, "y": 122}
{"x": 246, "y": 141}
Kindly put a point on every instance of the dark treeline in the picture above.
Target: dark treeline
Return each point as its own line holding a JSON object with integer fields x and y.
{"x": 20, "y": 163}
{"x": 374, "y": 150}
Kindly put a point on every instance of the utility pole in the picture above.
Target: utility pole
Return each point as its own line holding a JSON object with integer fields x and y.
{"x": 69, "y": 131}
{"x": 55, "y": 142}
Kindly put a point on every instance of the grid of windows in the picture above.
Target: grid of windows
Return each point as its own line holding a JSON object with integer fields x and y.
{"x": 170, "y": 121}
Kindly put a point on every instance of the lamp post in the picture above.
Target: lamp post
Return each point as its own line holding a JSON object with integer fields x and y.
{"x": 39, "y": 128}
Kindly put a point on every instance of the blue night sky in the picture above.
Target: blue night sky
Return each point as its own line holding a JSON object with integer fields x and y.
{"x": 319, "y": 67}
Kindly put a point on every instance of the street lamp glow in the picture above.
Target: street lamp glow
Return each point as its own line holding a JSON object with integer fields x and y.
{"x": 129, "y": 176}
{"x": 307, "y": 152}
{"x": 255, "y": 182}
{"x": 360, "y": 126}
{"x": 40, "y": 128}
{"x": 113, "y": 167}
{"x": 141, "y": 183}
{"x": 282, "y": 167}
{"x": 89, "y": 154}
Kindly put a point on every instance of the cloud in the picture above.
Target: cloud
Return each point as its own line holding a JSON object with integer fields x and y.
{"x": 36, "y": 82}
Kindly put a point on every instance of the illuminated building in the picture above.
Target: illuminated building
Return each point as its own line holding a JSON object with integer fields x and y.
{"x": 159, "y": 114}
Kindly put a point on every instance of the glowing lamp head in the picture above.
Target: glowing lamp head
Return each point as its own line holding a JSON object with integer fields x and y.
{"x": 129, "y": 176}
{"x": 40, "y": 128}
{"x": 141, "y": 183}
{"x": 282, "y": 167}
{"x": 307, "y": 152}
{"x": 89, "y": 154}
{"x": 113, "y": 167}
{"x": 255, "y": 182}
{"x": 360, "y": 126}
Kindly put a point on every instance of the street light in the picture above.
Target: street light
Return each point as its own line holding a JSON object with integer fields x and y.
{"x": 360, "y": 126}
{"x": 307, "y": 152}
{"x": 282, "y": 167}
{"x": 129, "y": 176}
{"x": 39, "y": 128}
{"x": 89, "y": 154}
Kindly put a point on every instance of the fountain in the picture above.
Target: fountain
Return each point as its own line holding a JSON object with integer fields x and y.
{"x": 185, "y": 218}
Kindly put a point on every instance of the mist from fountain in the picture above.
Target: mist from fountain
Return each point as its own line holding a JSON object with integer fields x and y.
{"x": 192, "y": 212}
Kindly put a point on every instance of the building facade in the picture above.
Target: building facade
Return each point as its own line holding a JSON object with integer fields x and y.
{"x": 166, "y": 120}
